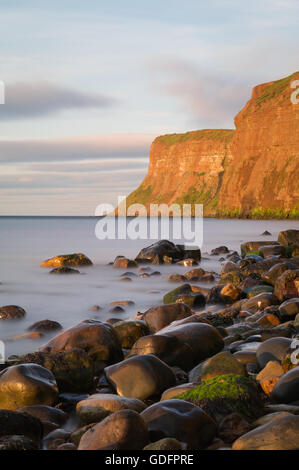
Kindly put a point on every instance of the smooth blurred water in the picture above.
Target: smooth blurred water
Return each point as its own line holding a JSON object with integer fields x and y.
{"x": 26, "y": 241}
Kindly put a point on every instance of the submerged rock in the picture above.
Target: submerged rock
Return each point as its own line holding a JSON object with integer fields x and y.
{"x": 64, "y": 270}
{"x": 11, "y": 312}
{"x": 45, "y": 326}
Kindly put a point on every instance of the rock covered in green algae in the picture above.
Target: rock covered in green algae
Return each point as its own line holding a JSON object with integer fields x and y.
{"x": 186, "y": 295}
{"x": 226, "y": 394}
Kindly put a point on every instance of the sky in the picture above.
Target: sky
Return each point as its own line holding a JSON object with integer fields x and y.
{"x": 89, "y": 85}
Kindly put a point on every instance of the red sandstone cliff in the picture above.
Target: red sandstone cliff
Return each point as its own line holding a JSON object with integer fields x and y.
{"x": 252, "y": 171}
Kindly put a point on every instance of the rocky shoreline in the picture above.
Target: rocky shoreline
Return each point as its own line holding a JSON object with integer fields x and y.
{"x": 214, "y": 366}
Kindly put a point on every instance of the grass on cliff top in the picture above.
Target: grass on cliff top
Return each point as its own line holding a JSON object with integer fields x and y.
{"x": 276, "y": 89}
{"x": 223, "y": 135}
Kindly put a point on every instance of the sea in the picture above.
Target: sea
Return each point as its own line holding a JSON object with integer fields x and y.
{"x": 27, "y": 241}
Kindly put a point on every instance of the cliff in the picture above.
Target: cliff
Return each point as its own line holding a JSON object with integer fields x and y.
{"x": 250, "y": 172}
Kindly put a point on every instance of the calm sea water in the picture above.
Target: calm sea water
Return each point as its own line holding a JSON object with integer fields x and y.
{"x": 26, "y": 241}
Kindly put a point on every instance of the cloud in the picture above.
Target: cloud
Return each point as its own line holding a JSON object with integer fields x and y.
{"x": 31, "y": 100}
{"x": 76, "y": 148}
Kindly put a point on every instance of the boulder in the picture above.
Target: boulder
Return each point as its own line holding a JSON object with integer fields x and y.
{"x": 59, "y": 261}
{"x": 98, "y": 339}
{"x": 272, "y": 250}
{"x": 289, "y": 308}
{"x": 279, "y": 434}
{"x": 203, "y": 339}
{"x": 176, "y": 278}
{"x": 111, "y": 403}
{"x": 273, "y": 349}
{"x": 226, "y": 394}
{"x": 185, "y": 294}
{"x": 37, "y": 386}
{"x": 232, "y": 427}
{"x": 129, "y": 331}
{"x": 44, "y": 326}
{"x": 18, "y": 423}
{"x": 11, "y": 312}
{"x": 271, "y": 275}
{"x": 220, "y": 364}
{"x": 287, "y": 285}
{"x": 158, "y": 317}
{"x": 220, "y": 250}
{"x": 166, "y": 251}
{"x": 259, "y": 302}
{"x": 250, "y": 247}
{"x": 73, "y": 369}
{"x": 140, "y": 376}
{"x": 122, "y": 262}
{"x": 64, "y": 270}
{"x": 17, "y": 443}
{"x": 167, "y": 348}
{"x": 289, "y": 237}
{"x": 168, "y": 443}
{"x": 272, "y": 369}
{"x": 123, "y": 430}
{"x": 194, "y": 274}
{"x": 174, "y": 392}
{"x": 180, "y": 420}
{"x": 286, "y": 389}
{"x": 46, "y": 414}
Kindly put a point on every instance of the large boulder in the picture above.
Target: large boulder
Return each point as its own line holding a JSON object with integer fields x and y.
{"x": 46, "y": 414}
{"x": 59, "y": 261}
{"x": 99, "y": 341}
{"x": 286, "y": 390}
{"x": 11, "y": 312}
{"x": 123, "y": 430}
{"x": 73, "y": 369}
{"x": 272, "y": 250}
{"x": 111, "y": 403}
{"x": 161, "y": 316}
{"x": 289, "y": 238}
{"x": 254, "y": 247}
{"x": 18, "y": 423}
{"x": 166, "y": 251}
{"x": 129, "y": 331}
{"x": 27, "y": 384}
{"x": 273, "y": 349}
{"x": 259, "y": 302}
{"x": 220, "y": 364}
{"x": 140, "y": 376}
{"x": 180, "y": 420}
{"x": 287, "y": 285}
{"x": 279, "y": 434}
{"x": 271, "y": 276}
{"x": 167, "y": 348}
{"x": 226, "y": 394}
{"x": 203, "y": 339}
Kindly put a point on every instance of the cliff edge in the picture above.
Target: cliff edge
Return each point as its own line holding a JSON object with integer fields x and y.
{"x": 248, "y": 172}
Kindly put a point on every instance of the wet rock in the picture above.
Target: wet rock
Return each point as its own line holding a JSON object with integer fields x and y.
{"x": 166, "y": 251}
{"x": 289, "y": 237}
{"x": 38, "y": 386}
{"x": 174, "y": 392}
{"x": 273, "y": 349}
{"x": 11, "y": 312}
{"x": 123, "y": 430}
{"x": 67, "y": 446}
{"x": 273, "y": 368}
{"x": 232, "y": 427}
{"x": 256, "y": 290}
{"x": 194, "y": 274}
{"x": 111, "y": 403}
{"x": 17, "y": 443}
{"x": 167, "y": 348}
{"x": 151, "y": 376}
{"x": 176, "y": 278}
{"x": 270, "y": 276}
{"x": 259, "y": 302}
{"x": 220, "y": 250}
{"x": 220, "y": 364}
{"x": 126, "y": 279}
{"x": 75, "y": 259}
{"x": 56, "y": 438}
{"x": 124, "y": 303}
{"x": 64, "y": 270}
{"x": 168, "y": 443}
{"x": 286, "y": 389}
{"x": 226, "y": 394}
{"x": 279, "y": 434}
{"x": 272, "y": 250}
{"x": 73, "y": 369}
{"x": 45, "y": 413}
{"x": 158, "y": 317}
{"x": 267, "y": 384}
{"x": 188, "y": 262}
{"x": 287, "y": 285}
{"x": 289, "y": 308}
{"x": 122, "y": 262}
{"x": 250, "y": 247}
{"x": 18, "y": 423}
{"x": 270, "y": 417}
{"x": 266, "y": 233}
{"x": 97, "y": 339}
{"x": 185, "y": 294}
{"x": 204, "y": 340}
{"x": 91, "y": 414}
{"x": 78, "y": 433}
{"x": 230, "y": 293}
{"x": 44, "y": 326}
{"x": 129, "y": 331}
{"x": 180, "y": 420}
